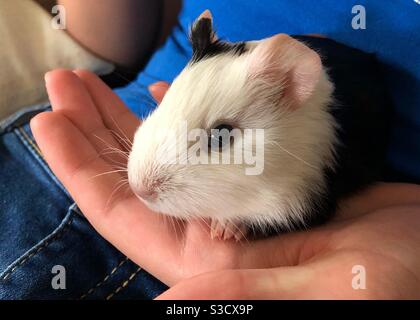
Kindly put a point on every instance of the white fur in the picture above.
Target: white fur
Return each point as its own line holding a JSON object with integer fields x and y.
{"x": 298, "y": 144}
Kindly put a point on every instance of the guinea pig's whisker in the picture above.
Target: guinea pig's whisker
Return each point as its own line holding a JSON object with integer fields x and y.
{"x": 206, "y": 224}
{"x": 116, "y": 135}
{"x": 238, "y": 229}
{"x": 177, "y": 227}
{"x": 121, "y": 135}
{"x": 114, "y": 162}
{"x": 122, "y": 157}
{"x": 117, "y": 164}
{"x": 110, "y": 151}
{"x": 118, "y": 186}
{"x": 120, "y": 166}
{"x": 108, "y": 172}
{"x": 115, "y": 150}
{"x": 123, "y": 138}
{"x": 111, "y": 147}
{"x": 125, "y": 142}
{"x": 295, "y": 156}
{"x": 168, "y": 223}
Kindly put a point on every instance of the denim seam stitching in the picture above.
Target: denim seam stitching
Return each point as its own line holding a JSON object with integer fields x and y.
{"x": 100, "y": 283}
{"x": 31, "y": 142}
{"x": 56, "y": 234}
{"x": 124, "y": 284}
{"x": 21, "y": 134}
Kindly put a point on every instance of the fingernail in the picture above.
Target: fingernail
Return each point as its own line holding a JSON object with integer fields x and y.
{"x": 47, "y": 76}
{"x": 150, "y": 87}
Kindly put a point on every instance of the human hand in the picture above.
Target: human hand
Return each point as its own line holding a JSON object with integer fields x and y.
{"x": 374, "y": 256}
{"x": 377, "y": 229}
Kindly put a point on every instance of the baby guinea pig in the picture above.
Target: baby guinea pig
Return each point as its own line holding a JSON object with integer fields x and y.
{"x": 312, "y": 114}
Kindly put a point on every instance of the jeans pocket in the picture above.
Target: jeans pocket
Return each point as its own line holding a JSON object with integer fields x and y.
{"x": 21, "y": 273}
{"x": 39, "y": 246}
{"x": 75, "y": 262}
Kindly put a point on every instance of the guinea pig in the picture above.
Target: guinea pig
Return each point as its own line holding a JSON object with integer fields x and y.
{"x": 312, "y": 113}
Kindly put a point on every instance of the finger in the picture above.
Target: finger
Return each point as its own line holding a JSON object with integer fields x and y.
{"x": 329, "y": 276}
{"x": 69, "y": 96}
{"x": 118, "y": 216}
{"x": 158, "y": 90}
{"x": 278, "y": 283}
{"x": 115, "y": 115}
{"x": 73, "y": 159}
{"x": 287, "y": 249}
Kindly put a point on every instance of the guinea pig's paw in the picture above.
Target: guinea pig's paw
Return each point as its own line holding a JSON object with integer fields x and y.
{"x": 227, "y": 230}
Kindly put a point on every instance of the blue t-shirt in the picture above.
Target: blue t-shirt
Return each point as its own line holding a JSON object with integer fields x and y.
{"x": 392, "y": 32}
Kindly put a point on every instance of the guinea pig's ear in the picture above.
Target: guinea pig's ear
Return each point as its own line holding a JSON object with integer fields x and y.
{"x": 202, "y": 34}
{"x": 288, "y": 62}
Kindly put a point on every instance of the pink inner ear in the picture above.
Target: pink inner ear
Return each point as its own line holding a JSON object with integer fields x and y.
{"x": 206, "y": 14}
{"x": 304, "y": 78}
{"x": 286, "y": 60}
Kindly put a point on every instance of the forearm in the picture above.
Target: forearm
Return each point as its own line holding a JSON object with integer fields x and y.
{"x": 121, "y": 31}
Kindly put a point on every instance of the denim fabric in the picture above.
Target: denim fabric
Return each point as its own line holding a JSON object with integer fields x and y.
{"x": 41, "y": 227}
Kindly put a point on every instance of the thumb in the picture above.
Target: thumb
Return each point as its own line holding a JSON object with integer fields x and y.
{"x": 158, "y": 90}
{"x": 252, "y": 284}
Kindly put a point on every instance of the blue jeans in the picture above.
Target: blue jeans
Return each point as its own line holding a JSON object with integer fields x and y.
{"x": 48, "y": 250}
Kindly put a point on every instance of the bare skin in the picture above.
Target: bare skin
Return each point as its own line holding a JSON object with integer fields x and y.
{"x": 377, "y": 228}
{"x": 123, "y": 32}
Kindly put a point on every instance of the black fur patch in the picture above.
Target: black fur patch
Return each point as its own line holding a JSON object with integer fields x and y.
{"x": 362, "y": 108}
{"x": 203, "y": 45}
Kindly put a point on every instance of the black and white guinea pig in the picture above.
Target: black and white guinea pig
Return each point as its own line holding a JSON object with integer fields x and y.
{"x": 323, "y": 111}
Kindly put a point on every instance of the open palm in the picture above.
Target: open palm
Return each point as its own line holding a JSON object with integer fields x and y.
{"x": 85, "y": 140}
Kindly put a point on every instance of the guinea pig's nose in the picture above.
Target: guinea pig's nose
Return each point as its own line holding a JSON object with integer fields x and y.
{"x": 146, "y": 193}
{"x": 148, "y": 189}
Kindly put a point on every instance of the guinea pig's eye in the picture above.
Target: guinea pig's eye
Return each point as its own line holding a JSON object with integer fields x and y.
{"x": 220, "y": 136}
